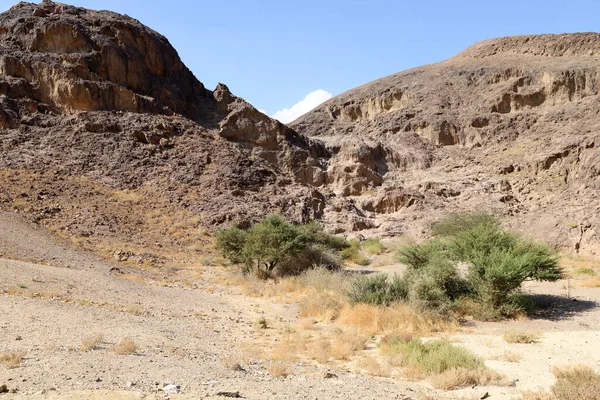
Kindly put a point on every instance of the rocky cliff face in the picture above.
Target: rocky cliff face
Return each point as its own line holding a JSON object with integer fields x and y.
{"x": 107, "y": 137}
{"x": 509, "y": 125}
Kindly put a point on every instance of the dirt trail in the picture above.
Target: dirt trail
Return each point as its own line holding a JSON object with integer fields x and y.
{"x": 184, "y": 335}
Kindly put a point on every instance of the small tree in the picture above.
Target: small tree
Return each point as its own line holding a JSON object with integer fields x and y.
{"x": 498, "y": 263}
{"x": 274, "y": 243}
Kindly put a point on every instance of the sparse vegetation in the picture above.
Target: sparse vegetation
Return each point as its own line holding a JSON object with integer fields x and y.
{"x": 572, "y": 383}
{"x": 278, "y": 370}
{"x": 377, "y": 290}
{"x": 91, "y": 342}
{"x": 498, "y": 262}
{"x": 433, "y": 357}
{"x": 447, "y": 366}
{"x": 373, "y": 246}
{"x": 12, "y": 359}
{"x": 523, "y": 337}
{"x": 585, "y": 271}
{"x": 126, "y": 346}
{"x": 273, "y": 246}
{"x": 593, "y": 282}
{"x": 353, "y": 254}
{"x": 463, "y": 377}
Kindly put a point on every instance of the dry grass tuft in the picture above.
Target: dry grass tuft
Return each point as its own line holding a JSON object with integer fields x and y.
{"x": 523, "y": 337}
{"x": 134, "y": 310}
{"x": 462, "y": 377}
{"x": 12, "y": 359}
{"x": 127, "y": 346}
{"x": 289, "y": 348}
{"x": 91, "y": 342}
{"x": 592, "y": 282}
{"x": 371, "y": 320}
{"x": 319, "y": 350}
{"x": 509, "y": 356}
{"x": 578, "y": 382}
{"x": 372, "y": 367}
{"x": 322, "y": 306}
{"x": 346, "y": 344}
{"x": 232, "y": 364}
{"x": 278, "y": 370}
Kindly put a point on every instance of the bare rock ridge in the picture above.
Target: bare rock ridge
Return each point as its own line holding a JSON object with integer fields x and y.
{"x": 108, "y": 139}
{"x": 509, "y": 125}
{"x": 94, "y": 105}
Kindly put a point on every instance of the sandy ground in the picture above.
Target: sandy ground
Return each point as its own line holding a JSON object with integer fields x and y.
{"x": 189, "y": 332}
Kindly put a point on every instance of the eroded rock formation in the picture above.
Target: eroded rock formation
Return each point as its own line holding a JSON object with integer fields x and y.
{"x": 510, "y": 125}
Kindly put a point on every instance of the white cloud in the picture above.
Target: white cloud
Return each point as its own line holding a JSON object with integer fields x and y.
{"x": 311, "y": 100}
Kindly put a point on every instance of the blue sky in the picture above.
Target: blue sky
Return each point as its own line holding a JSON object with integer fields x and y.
{"x": 274, "y": 53}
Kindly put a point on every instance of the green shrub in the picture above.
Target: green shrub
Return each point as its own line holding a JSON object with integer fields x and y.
{"x": 274, "y": 246}
{"x": 417, "y": 256}
{"x": 433, "y": 357}
{"x": 377, "y": 290}
{"x": 585, "y": 271}
{"x": 373, "y": 246}
{"x": 457, "y": 223}
{"x": 498, "y": 263}
{"x": 352, "y": 253}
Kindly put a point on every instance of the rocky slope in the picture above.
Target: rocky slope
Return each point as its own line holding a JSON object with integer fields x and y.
{"x": 510, "y": 125}
{"x": 110, "y": 141}
{"x": 107, "y": 138}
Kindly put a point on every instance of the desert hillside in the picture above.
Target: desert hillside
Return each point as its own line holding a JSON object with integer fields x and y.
{"x": 509, "y": 125}
{"x": 108, "y": 138}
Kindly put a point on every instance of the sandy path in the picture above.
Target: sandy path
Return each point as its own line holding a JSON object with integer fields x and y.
{"x": 184, "y": 334}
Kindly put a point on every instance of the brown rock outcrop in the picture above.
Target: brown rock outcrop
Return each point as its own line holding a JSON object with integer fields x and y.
{"x": 96, "y": 106}
{"x": 509, "y": 125}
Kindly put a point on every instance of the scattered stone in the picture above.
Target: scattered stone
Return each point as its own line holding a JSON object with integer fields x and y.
{"x": 234, "y": 395}
{"x": 171, "y": 389}
{"x": 329, "y": 375}
{"x": 3, "y": 389}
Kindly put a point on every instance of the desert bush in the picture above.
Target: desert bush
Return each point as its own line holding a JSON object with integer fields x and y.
{"x": 461, "y": 377}
{"x": 498, "y": 264}
{"x": 434, "y": 357}
{"x": 572, "y": 383}
{"x": 91, "y": 342}
{"x": 12, "y": 359}
{"x": 576, "y": 383}
{"x": 126, "y": 346}
{"x": 457, "y": 223}
{"x": 274, "y": 246}
{"x": 377, "y": 290}
{"x": 524, "y": 337}
{"x": 373, "y": 246}
{"x": 353, "y": 253}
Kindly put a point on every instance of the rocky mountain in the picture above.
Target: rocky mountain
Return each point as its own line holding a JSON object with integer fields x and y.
{"x": 108, "y": 139}
{"x": 510, "y": 125}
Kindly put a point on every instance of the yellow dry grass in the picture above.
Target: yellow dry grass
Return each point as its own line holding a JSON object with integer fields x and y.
{"x": 522, "y": 337}
{"x": 576, "y": 382}
{"x": 126, "y": 346}
{"x": 12, "y": 360}
{"x": 91, "y": 342}
{"x": 289, "y": 348}
{"x": 346, "y": 344}
{"x": 462, "y": 377}
{"x": 509, "y": 356}
{"x": 372, "y": 320}
{"x": 372, "y": 367}
{"x": 593, "y": 282}
{"x": 319, "y": 350}
{"x": 278, "y": 370}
